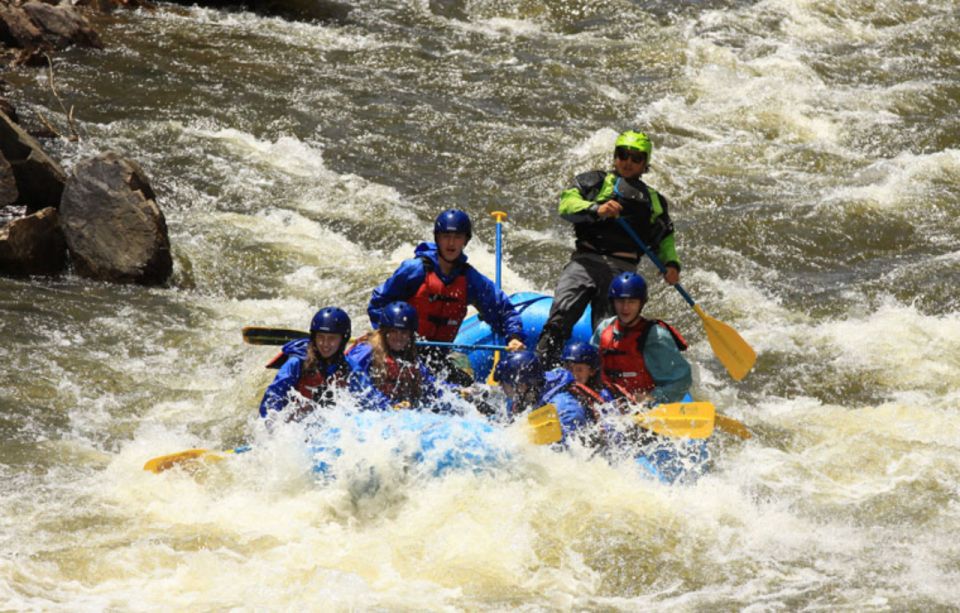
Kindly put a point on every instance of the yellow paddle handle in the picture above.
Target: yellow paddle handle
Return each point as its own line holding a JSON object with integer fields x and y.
{"x": 493, "y": 368}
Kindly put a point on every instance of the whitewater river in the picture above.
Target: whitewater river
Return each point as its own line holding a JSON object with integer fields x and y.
{"x": 811, "y": 153}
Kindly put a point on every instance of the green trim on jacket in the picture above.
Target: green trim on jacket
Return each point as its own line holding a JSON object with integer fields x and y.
{"x": 577, "y": 209}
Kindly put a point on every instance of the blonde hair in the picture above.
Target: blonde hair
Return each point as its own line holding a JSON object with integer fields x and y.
{"x": 377, "y": 340}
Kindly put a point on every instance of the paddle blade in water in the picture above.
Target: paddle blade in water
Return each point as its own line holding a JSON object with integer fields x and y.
{"x": 166, "y": 462}
{"x": 680, "y": 419}
{"x": 544, "y": 425}
{"x": 732, "y": 426}
{"x": 733, "y": 352}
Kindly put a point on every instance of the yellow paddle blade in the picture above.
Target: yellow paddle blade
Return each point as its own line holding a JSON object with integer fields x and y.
{"x": 680, "y": 419}
{"x": 732, "y": 426}
{"x": 733, "y": 352}
{"x": 166, "y": 462}
{"x": 544, "y": 425}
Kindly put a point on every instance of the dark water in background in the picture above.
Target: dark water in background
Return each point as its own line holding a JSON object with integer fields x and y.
{"x": 810, "y": 154}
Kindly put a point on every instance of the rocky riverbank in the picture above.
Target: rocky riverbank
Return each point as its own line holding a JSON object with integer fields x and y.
{"x": 101, "y": 220}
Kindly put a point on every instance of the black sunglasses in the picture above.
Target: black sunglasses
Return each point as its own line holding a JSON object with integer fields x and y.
{"x": 638, "y": 157}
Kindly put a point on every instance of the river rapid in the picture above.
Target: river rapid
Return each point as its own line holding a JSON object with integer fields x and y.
{"x": 810, "y": 150}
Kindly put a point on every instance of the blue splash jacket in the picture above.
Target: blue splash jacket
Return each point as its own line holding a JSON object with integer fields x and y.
{"x": 277, "y": 394}
{"x": 493, "y": 306}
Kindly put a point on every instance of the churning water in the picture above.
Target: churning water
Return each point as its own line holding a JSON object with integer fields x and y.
{"x": 809, "y": 149}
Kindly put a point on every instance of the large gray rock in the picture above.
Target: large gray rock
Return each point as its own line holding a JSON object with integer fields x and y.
{"x": 114, "y": 229}
{"x": 39, "y": 25}
{"x": 39, "y": 179}
{"x": 62, "y": 25}
{"x": 33, "y": 245}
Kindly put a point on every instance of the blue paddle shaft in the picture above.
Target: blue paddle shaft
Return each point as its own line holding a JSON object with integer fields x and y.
{"x": 499, "y": 256}
{"x": 459, "y": 345}
{"x": 653, "y": 257}
{"x": 499, "y": 252}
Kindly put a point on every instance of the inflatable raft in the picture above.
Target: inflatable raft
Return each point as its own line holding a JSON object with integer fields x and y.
{"x": 534, "y": 309}
{"x": 437, "y": 444}
{"x": 433, "y": 443}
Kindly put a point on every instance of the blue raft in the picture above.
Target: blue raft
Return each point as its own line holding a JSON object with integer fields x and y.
{"x": 435, "y": 443}
{"x": 438, "y": 444}
{"x": 667, "y": 463}
{"x": 675, "y": 460}
{"x": 432, "y": 444}
{"x": 534, "y": 309}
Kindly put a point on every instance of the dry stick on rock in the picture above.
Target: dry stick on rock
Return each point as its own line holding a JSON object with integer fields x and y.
{"x": 48, "y": 125}
{"x": 74, "y": 134}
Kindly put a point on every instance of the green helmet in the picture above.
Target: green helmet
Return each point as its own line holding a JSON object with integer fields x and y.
{"x": 632, "y": 139}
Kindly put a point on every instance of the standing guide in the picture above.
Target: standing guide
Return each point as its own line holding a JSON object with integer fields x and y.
{"x": 603, "y": 248}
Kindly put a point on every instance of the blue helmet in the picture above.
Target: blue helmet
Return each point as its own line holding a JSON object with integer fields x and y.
{"x": 400, "y": 315}
{"x": 580, "y": 352}
{"x": 628, "y": 285}
{"x": 331, "y": 319}
{"x": 519, "y": 367}
{"x": 453, "y": 220}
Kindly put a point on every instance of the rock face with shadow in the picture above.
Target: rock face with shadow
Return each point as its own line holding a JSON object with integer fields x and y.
{"x": 37, "y": 179}
{"x": 113, "y": 227}
{"x": 33, "y": 245}
{"x": 31, "y": 184}
{"x": 104, "y": 215}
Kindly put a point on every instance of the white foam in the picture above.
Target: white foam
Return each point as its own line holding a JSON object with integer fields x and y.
{"x": 498, "y": 27}
{"x": 901, "y": 181}
{"x": 906, "y": 349}
{"x": 285, "y": 153}
{"x": 295, "y": 34}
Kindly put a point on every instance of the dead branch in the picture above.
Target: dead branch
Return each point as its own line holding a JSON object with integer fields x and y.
{"x": 49, "y": 125}
{"x": 74, "y": 134}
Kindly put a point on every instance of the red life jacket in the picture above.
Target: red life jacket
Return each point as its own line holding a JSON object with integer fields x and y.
{"x": 317, "y": 388}
{"x": 400, "y": 382}
{"x": 588, "y": 397}
{"x": 620, "y": 393}
{"x": 441, "y": 308}
{"x": 312, "y": 385}
{"x": 621, "y": 355}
